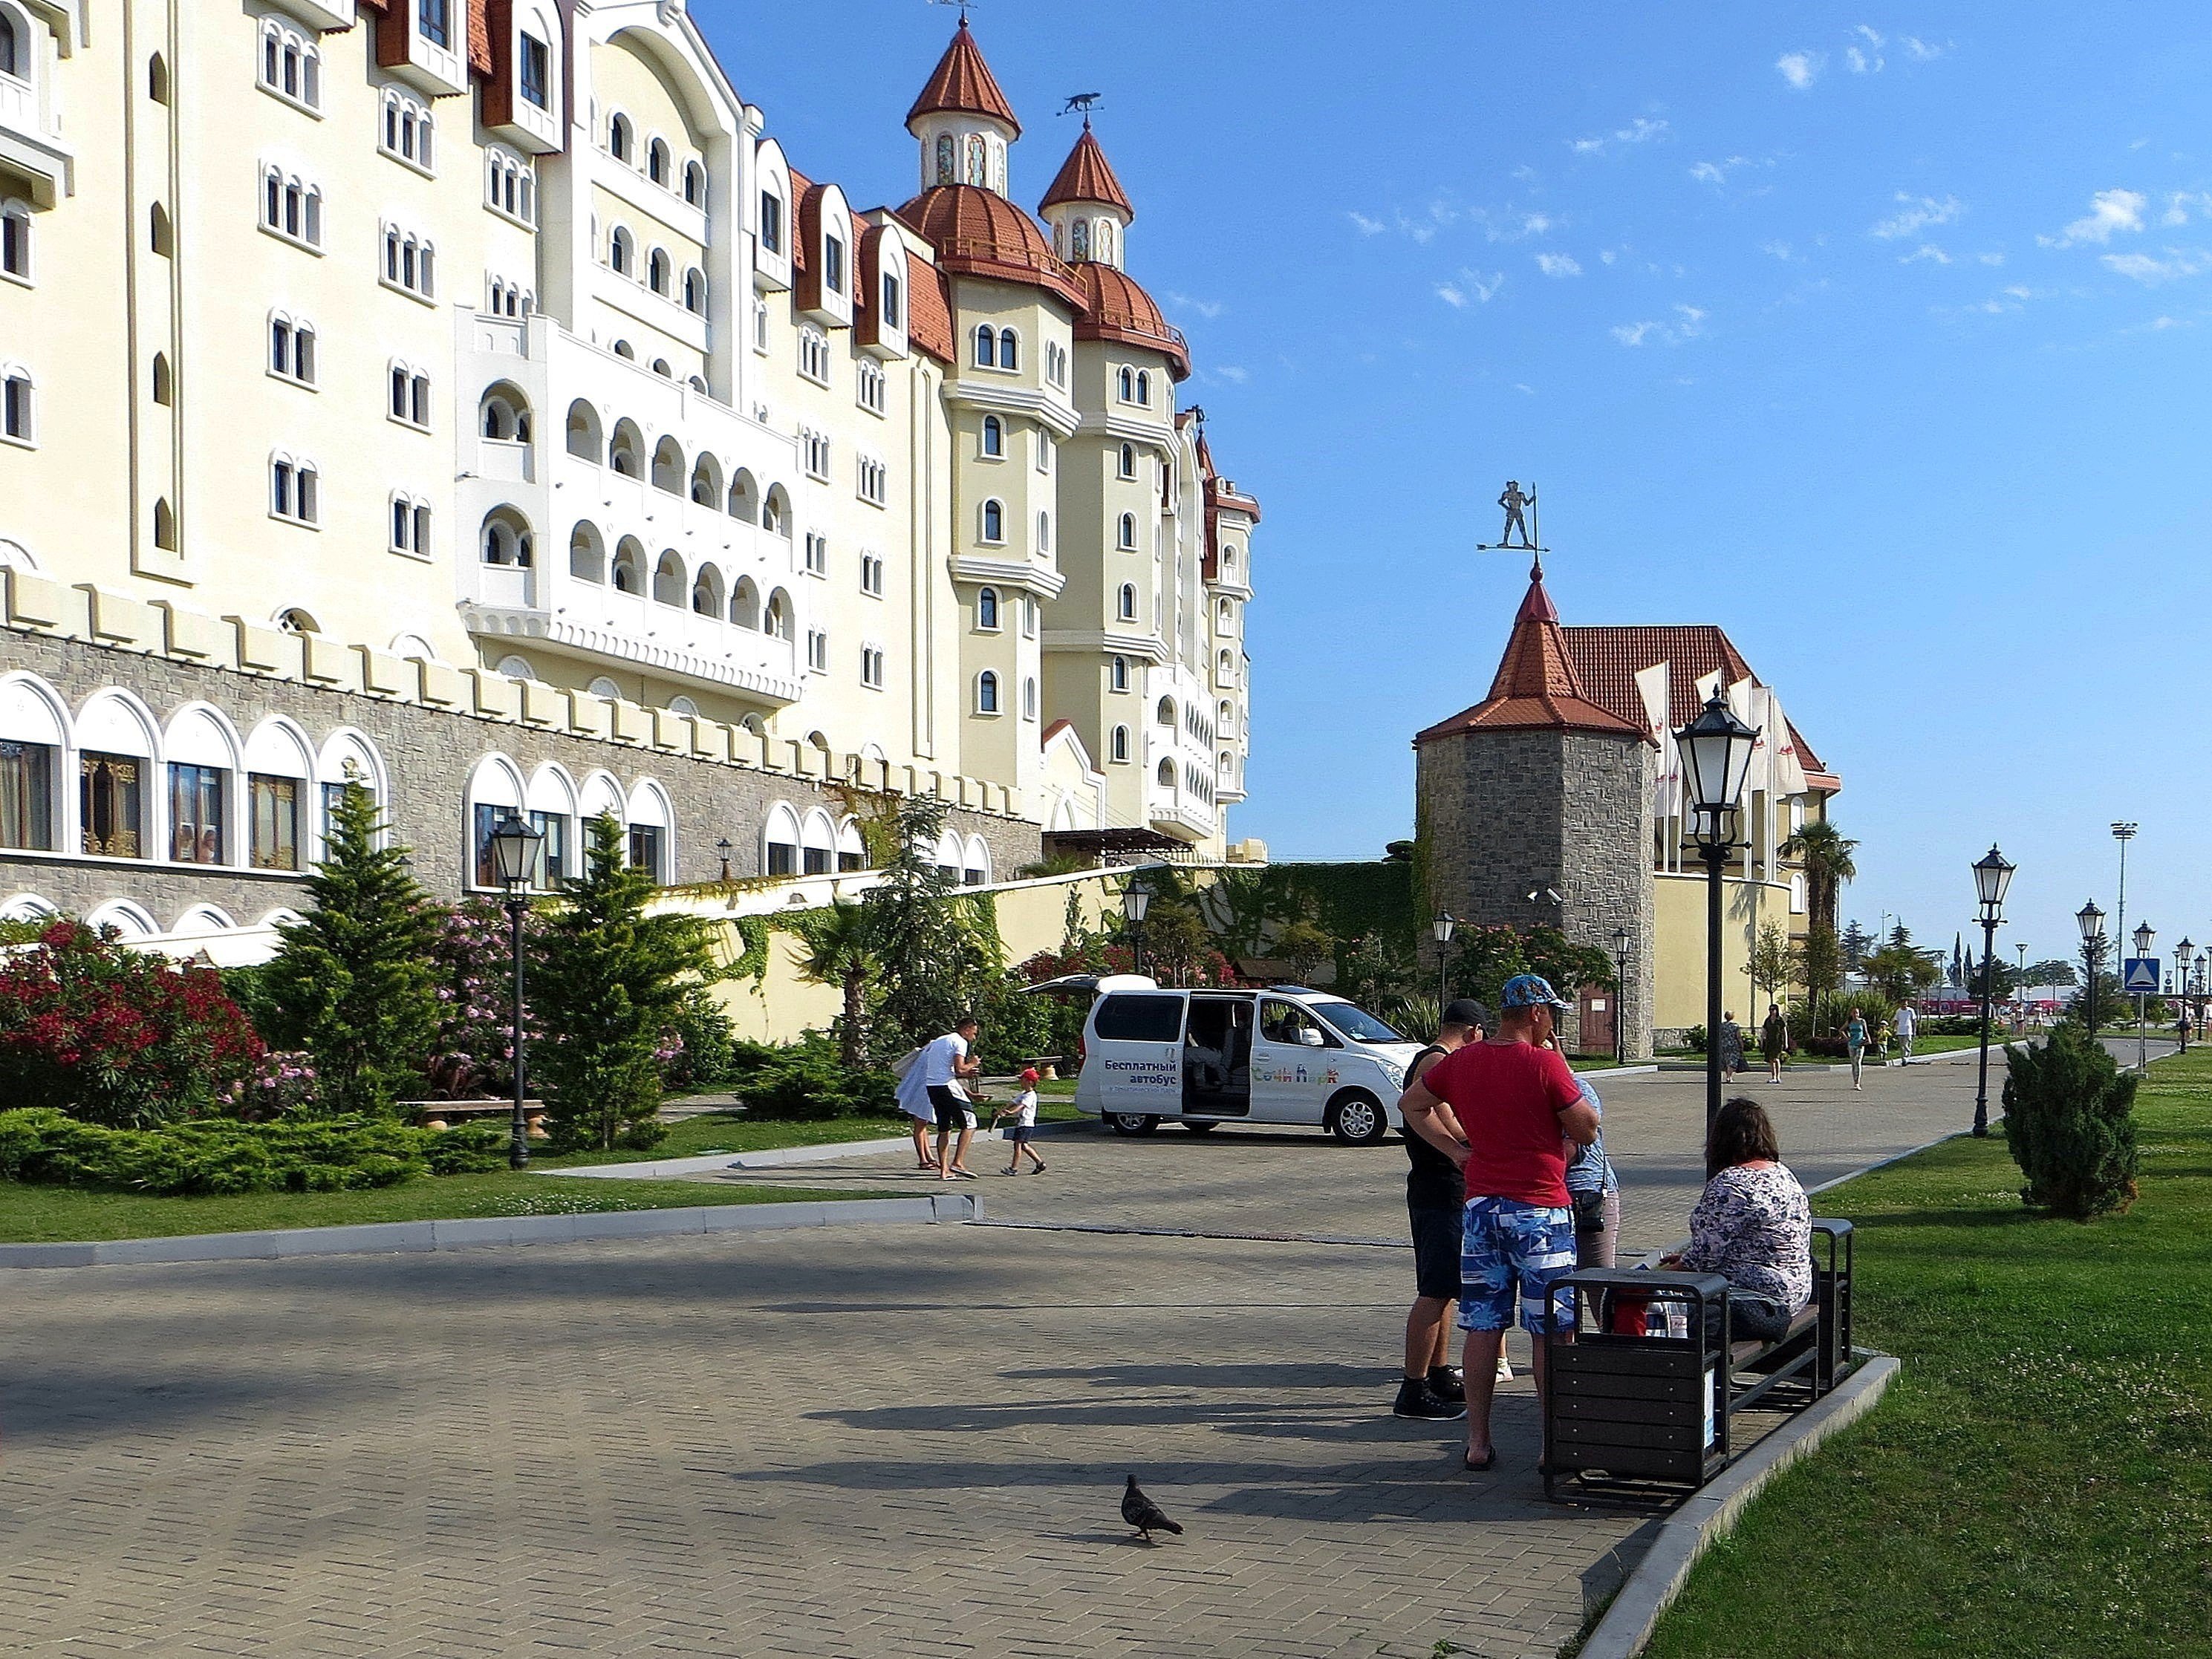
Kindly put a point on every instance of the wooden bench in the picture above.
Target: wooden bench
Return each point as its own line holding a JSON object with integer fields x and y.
{"x": 1626, "y": 1412}
{"x": 444, "y": 1114}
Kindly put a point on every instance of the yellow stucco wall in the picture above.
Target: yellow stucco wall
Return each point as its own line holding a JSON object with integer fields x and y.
{"x": 1679, "y": 995}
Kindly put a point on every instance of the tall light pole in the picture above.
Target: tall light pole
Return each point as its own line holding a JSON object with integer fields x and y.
{"x": 1136, "y": 901}
{"x": 2145, "y": 937}
{"x": 1992, "y": 875}
{"x": 1715, "y": 750}
{"x": 2182, "y": 952}
{"x": 517, "y": 849}
{"x": 1442, "y": 930}
{"x": 2123, "y": 832}
{"x": 1621, "y": 940}
{"x": 2020, "y": 991}
{"x": 2091, "y": 920}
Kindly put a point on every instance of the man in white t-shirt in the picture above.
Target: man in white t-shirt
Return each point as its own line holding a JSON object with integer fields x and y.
{"x": 1907, "y": 1027}
{"x": 944, "y": 1063}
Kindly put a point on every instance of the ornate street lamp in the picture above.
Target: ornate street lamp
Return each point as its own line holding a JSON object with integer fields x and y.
{"x": 1136, "y": 901}
{"x": 1992, "y": 875}
{"x": 1715, "y": 750}
{"x": 2182, "y": 952}
{"x": 1622, "y": 937}
{"x": 2197, "y": 992}
{"x": 1442, "y": 930}
{"x": 517, "y": 850}
{"x": 724, "y": 848}
{"x": 2091, "y": 920}
{"x": 2145, "y": 937}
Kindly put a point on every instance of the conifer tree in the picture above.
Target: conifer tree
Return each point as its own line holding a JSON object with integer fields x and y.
{"x": 352, "y": 981}
{"x": 606, "y": 995}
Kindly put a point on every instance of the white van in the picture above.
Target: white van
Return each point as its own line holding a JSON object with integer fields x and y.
{"x": 1286, "y": 1054}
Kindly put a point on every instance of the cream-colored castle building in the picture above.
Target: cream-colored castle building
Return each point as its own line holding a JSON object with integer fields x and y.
{"x": 470, "y": 396}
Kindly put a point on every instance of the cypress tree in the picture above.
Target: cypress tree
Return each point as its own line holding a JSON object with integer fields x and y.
{"x": 607, "y": 994}
{"x": 352, "y": 982}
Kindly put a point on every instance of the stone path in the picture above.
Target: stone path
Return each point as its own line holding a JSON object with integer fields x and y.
{"x": 904, "y": 1441}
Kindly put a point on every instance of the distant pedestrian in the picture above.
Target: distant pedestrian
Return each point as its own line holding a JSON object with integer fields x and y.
{"x": 1908, "y": 1027}
{"x": 1774, "y": 1041}
{"x": 1731, "y": 1038}
{"x": 1023, "y": 1110}
{"x": 1595, "y": 1190}
{"x": 945, "y": 1065}
{"x": 1855, "y": 1043}
{"x": 1432, "y": 1387}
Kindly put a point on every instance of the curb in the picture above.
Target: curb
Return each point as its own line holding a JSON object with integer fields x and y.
{"x": 387, "y": 1237}
{"x": 1628, "y": 1624}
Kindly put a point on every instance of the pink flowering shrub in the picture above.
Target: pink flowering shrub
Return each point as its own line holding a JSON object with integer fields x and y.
{"x": 473, "y": 1054}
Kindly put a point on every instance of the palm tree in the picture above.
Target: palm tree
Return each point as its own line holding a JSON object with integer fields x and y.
{"x": 1826, "y": 853}
{"x": 839, "y": 953}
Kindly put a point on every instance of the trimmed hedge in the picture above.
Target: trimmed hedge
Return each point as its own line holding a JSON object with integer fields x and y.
{"x": 224, "y": 1156}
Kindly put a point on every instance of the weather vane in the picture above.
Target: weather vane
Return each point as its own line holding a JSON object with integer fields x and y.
{"x": 1521, "y": 534}
{"x": 1083, "y": 103}
{"x": 963, "y": 5}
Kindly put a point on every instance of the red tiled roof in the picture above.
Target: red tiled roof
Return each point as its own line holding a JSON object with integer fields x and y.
{"x": 978, "y": 233}
{"x": 1087, "y": 176}
{"x": 1609, "y": 659}
{"x": 1536, "y": 688}
{"x": 1117, "y": 308}
{"x": 962, "y": 82}
{"x": 929, "y": 310}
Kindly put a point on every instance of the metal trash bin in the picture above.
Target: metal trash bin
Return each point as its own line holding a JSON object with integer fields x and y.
{"x": 1637, "y": 1406}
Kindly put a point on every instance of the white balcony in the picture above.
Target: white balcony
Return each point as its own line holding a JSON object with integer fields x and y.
{"x": 505, "y": 586}
{"x": 320, "y": 14}
{"x": 506, "y": 460}
{"x": 29, "y": 151}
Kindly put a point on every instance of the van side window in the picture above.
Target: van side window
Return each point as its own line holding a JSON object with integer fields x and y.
{"x": 1126, "y": 1017}
{"x": 1281, "y": 1022}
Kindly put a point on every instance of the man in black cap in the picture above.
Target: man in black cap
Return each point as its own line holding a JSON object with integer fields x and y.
{"x": 1432, "y": 1390}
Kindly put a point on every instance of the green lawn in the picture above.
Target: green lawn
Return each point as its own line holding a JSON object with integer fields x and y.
{"x": 2038, "y": 1480}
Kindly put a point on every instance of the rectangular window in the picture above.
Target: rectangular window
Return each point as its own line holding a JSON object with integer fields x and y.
{"x": 818, "y": 651}
{"x": 645, "y": 848}
{"x": 110, "y": 805}
{"x": 195, "y": 814}
{"x": 771, "y": 223}
{"x": 487, "y": 819}
{"x": 275, "y": 810}
{"x": 833, "y": 264}
{"x": 434, "y": 18}
{"x": 871, "y": 667}
{"x": 15, "y": 409}
{"x": 872, "y": 575}
{"x": 554, "y": 826}
{"x": 782, "y": 858}
{"x": 891, "y": 313}
{"x": 817, "y": 555}
{"x": 15, "y": 246}
{"x": 27, "y": 796}
{"x": 536, "y": 76}
{"x": 814, "y": 861}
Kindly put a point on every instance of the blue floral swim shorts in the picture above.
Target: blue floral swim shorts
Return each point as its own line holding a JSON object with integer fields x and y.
{"x": 1507, "y": 1247}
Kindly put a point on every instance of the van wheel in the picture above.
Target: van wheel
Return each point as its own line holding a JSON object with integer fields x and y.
{"x": 1200, "y": 1126}
{"x": 1356, "y": 1119}
{"x": 1132, "y": 1123}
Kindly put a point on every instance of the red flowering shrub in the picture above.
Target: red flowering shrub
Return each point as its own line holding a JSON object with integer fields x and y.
{"x": 116, "y": 1036}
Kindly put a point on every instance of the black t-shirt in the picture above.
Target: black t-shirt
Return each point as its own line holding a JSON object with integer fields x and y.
{"x": 1433, "y": 1182}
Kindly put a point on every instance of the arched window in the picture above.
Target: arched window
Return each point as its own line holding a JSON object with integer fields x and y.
{"x": 1078, "y": 239}
{"x": 587, "y": 554}
{"x": 115, "y": 757}
{"x": 626, "y": 351}
{"x": 1228, "y": 614}
{"x": 1010, "y": 349}
{"x": 745, "y": 497}
{"x": 695, "y": 184}
{"x": 668, "y": 579}
{"x": 948, "y": 160}
{"x": 626, "y": 452}
{"x": 15, "y": 241}
{"x": 695, "y": 292}
{"x": 745, "y": 603}
{"x": 32, "y": 743}
{"x": 507, "y": 542}
{"x": 1118, "y": 749}
{"x": 780, "y": 842}
{"x": 979, "y": 171}
{"x": 584, "y": 432}
{"x": 1044, "y": 532}
{"x": 1144, "y": 387}
{"x": 657, "y": 268}
{"x": 668, "y": 467}
{"x": 165, "y": 525}
{"x": 619, "y": 142}
{"x": 630, "y": 566}
{"x": 1127, "y": 385}
{"x": 775, "y": 511}
{"x": 707, "y": 482}
{"x": 986, "y": 346}
{"x": 13, "y": 57}
{"x": 1029, "y": 699}
{"x": 994, "y": 435}
{"x": 1128, "y": 460}
{"x": 778, "y": 615}
{"x": 1228, "y": 668}
{"x": 1167, "y": 774}
{"x": 1117, "y": 674}
{"x": 657, "y": 161}
{"x": 706, "y": 593}
{"x": 1125, "y": 606}
{"x": 995, "y": 521}
{"x": 1167, "y": 711}
{"x": 987, "y": 693}
{"x": 1125, "y": 535}
{"x": 987, "y": 609}
{"x": 622, "y": 252}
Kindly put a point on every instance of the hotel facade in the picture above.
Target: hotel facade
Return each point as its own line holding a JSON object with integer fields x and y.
{"x": 470, "y": 398}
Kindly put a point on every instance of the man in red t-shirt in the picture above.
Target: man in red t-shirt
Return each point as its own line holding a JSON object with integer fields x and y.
{"x": 1518, "y": 1105}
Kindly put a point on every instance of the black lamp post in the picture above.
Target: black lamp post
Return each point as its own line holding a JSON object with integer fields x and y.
{"x": 1992, "y": 875}
{"x": 517, "y": 849}
{"x": 2145, "y": 937}
{"x": 2092, "y": 923}
{"x": 1136, "y": 901}
{"x": 723, "y": 848}
{"x": 1620, "y": 939}
{"x": 2197, "y": 993}
{"x": 1715, "y": 750}
{"x": 2182, "y": 952}
{"x": 1442, "y": 930}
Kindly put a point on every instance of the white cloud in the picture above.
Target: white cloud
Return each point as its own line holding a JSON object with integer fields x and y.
{"x": 1536, "y": 224}
{"x": 1521, "y": 386}
{"x": 1557, "y": 264}
{"x": 1367, "y": 226}
{"x": 2110, "y": 210}
{"x": 1927, "y": 251}
{"x": 1778, "y": 250}
{"x": 1799, "y": 69}
{"x": 2143, "y": 267}
{"x": 1642, "y": 131}
{"x": 1470, "y": 287}
{"x": 1208, "y": 309}
{"x": 1607, "y": 256}
{"x": 1991, "y": 258}
{"x": 1632, "y": 334}
{"x": 1920, "y": 50}
{"x": 1693, "y": 321}
{"x": 1870, "y": 37}
{"x": 1868, "y": 59}
{"x": 1689, "y": 322}
{"x": 2020, "y": 292}
{"x": 1918, "y": 212}
{"x": 1230, "y": 373}
{"x": 2183, "y": 203}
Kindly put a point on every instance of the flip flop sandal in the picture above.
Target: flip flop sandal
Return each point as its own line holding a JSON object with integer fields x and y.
{"x": 1483, "y": 1468}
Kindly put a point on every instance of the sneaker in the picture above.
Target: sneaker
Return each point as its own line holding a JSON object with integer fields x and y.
{"x": 1504, "y": 1373}
{"x": 1446, "y": 1382}
{"x": 1414, "y": 1399}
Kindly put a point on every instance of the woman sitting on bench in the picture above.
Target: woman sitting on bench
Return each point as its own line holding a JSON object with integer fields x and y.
{"x": 1753, "y": 1226}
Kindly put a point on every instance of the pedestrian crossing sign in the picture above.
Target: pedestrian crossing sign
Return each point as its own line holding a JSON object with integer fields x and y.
{"x": 2139, "y": 976}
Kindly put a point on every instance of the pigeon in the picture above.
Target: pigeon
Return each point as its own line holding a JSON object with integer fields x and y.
{"x": 1140, "y": 1512}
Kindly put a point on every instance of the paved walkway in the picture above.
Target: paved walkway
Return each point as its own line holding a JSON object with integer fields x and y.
{"x": 904, "y": 1441}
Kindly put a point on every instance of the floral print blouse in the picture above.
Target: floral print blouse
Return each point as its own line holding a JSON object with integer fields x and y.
{"x": 1754, "y": 1228}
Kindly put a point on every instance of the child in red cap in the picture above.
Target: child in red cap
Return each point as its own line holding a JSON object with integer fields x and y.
{"x": 1023, "y": 1111}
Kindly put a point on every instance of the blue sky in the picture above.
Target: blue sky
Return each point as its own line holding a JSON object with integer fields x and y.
{"x": 1877, "y": 335}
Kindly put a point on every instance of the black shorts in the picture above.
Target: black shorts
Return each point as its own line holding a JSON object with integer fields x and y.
{"x": 951, "y": 1110}
{"x": 1436, "y": 1251}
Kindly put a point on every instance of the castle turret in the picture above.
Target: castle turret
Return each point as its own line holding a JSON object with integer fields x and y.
{"x": 1086, "y": 207}
{"x": 963, "y": 121}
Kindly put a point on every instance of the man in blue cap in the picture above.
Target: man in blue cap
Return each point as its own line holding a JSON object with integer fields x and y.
{"x": 1516, "y": 1108}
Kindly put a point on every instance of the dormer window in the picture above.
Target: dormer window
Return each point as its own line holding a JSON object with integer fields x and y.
{"x": 535, "y": 72}
{"x": 892, "y": 316}
{"x": 833, "y": 264}
{"x": 771, "y": 223}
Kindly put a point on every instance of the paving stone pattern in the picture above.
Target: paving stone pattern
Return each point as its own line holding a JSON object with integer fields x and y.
{"x": 886, "y": 1441}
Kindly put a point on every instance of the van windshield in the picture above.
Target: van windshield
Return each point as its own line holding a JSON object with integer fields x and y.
{"x": 1357, "y": 1023}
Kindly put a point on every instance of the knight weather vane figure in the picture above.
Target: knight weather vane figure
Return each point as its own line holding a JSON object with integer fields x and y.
{"x": 1516, "y": 503}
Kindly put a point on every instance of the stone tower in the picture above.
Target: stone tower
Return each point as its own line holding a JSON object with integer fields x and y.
{"x": 1536, "y": 789}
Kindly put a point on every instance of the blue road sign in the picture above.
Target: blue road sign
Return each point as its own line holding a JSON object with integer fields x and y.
{"x": 2139, "y": 976}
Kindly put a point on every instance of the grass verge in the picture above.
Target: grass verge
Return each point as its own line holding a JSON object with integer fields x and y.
{"x": 2039, "y": 1478}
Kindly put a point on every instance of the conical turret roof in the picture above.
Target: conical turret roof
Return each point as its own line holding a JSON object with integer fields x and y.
{"x": 1537, "y": 688}
{"x": 1087, "y": 176}
{"x": 962, "y": 83}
